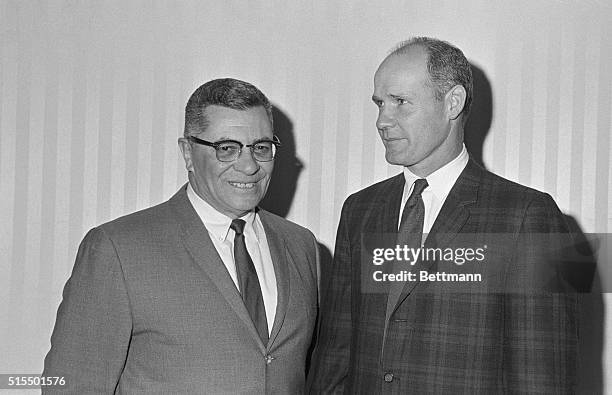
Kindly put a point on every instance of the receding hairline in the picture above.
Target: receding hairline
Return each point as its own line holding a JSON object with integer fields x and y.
{"x": 405, "y": 54}
{"x": 446, "y": 65}
{"x": 423, "y": 65}
{"x": 405, "y": 46}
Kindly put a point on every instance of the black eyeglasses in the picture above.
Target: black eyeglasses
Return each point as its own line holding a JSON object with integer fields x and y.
{"x": 229, "y": 150}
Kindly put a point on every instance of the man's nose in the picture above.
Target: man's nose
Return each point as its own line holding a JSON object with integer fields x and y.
{"x": 386, "y": 118}
{"x": 246, "y": 163}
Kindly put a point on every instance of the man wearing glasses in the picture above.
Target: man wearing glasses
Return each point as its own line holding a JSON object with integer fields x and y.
{"x": 204, "y": 293}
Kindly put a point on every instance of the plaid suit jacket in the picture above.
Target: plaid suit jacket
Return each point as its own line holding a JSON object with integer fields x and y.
{"x": 437, "y": 342}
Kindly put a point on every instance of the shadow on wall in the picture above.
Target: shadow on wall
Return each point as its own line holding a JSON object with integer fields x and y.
{"x": 326, "y": 258}
{"x": 287, "y": 168}
{"x": 584, "y": 278}
{"x": 278, "y": 199}
{"x": 481, "y": 115}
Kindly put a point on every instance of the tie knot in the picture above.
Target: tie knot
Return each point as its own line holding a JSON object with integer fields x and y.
{"x": 237, "y": 226}
{"x": 419, "y": 186}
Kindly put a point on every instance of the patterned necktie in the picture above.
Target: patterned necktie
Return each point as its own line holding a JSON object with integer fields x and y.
{"x": 410, "y": 233}
{"x": 248, "y": 282}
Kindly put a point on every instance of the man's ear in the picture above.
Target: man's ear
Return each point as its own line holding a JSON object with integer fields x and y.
{"x": 455, "y": 101}
{"x": 185, "y": 147}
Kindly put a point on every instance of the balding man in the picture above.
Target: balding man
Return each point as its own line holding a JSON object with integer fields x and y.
{"x": 433, "y": 335}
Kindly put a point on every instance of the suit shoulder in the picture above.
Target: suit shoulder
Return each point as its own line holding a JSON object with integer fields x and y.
{"x": 285, "y": 226}
{"x": 299, "y": 239}
{"x": 510, "y": 190}
{"x": 380, "y": 188}
{"x": 146, "y": 220}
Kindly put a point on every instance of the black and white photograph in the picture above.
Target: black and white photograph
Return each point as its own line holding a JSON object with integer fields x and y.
{"x": 305, "y": 197}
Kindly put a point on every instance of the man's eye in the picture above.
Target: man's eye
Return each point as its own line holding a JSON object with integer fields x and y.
{"x": 401, "y": 101}
{"x": 228, "y": 147}
{"x": 379, "y": 103}
{"x": 262, "y": 147}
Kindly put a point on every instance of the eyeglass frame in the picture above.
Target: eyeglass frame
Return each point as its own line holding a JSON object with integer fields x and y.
{"x": 275, "y": 142}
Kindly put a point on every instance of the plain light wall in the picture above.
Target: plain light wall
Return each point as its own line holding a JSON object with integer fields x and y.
{"x": 93, "y": 94}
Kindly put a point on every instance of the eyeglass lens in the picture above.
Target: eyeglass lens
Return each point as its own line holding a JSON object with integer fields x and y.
{"x": 263, "y": 151}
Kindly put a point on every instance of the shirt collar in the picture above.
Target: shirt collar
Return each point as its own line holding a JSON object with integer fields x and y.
{"x": 218, "y": 224}
{"x": 442, "y": 180}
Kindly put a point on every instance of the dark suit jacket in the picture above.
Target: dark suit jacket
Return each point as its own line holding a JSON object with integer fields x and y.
{"x": 150, "y": 308}
{"x": 502, "y": 341}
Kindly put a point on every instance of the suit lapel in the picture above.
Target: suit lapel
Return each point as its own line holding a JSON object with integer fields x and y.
{"x": 383, "y": 215}
{"x": 281, "y": 259}
{"x": 454, "y": 212}
{"x": 381, "y": 219}
{"x": 197, "y": 241}
{"x": 452, "y": 217}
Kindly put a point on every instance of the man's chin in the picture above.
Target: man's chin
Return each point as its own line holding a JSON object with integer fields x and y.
{"x": 246, "y": 205}
{"x": 394, "y": 159}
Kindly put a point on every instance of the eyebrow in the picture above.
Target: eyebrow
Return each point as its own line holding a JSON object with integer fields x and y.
{"x": 261, "y": 140}
{"x": 406, "y": 96}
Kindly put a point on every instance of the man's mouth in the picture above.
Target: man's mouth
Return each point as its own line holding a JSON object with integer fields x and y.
{"x": 242, "y": 185}
{"x": 387, "y": 136}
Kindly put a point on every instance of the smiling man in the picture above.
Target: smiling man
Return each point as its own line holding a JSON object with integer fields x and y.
{"x": 506, "y": 335}
{"x": 204, "y": 293}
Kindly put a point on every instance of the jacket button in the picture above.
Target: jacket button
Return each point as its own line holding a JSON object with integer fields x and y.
{"x": 269, "y": 359}
{"x": 388, "y": 377}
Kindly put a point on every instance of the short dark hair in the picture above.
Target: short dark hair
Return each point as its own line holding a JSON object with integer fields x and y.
{"x": 225, "y": 92}
{"x": 447, "y": 66}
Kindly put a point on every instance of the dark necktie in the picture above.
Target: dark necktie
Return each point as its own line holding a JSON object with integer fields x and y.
{"x": 248, "y": 282}
{"x": 410, "y": 233}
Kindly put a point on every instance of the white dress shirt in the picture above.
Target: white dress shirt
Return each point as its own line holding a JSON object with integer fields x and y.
{"x": 218, "y": 227}
{"x": 440, "y": 182}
